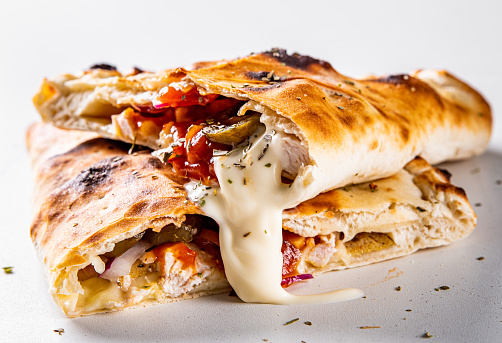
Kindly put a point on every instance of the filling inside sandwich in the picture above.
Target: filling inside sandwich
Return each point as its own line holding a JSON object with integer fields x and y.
{"x": 182, "y": 261}
{"x": 190, "y": 128}
{"x": 208, "y": 138}
{"x": 153, "y": 265}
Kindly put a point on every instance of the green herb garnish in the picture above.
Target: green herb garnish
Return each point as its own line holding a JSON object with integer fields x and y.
{"x": 8, "y": 270}
{"x": 229, "y": 181}
{"x": 349, "y": 82}
{"x": 268, "y": 165}
{"x": 246, "y": 234}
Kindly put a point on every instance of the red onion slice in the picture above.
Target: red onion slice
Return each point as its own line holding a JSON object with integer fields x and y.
{"x": 292, "y": 279}
{"x": 121, "y": 265}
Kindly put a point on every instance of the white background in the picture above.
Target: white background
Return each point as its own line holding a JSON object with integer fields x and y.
{"x": 44, "y": 38}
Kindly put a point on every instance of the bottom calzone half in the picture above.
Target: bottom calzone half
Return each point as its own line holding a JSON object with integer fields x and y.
{"x": 116, "y": 229}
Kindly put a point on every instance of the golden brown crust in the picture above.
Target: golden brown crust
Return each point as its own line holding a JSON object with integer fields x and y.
{"x": 415, "y": 209}
{"x": 96, "y": 192}
{"x": 355, "y": 130}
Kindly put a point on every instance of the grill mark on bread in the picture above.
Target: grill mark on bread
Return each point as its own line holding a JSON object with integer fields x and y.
{"x": 405, "y": 134}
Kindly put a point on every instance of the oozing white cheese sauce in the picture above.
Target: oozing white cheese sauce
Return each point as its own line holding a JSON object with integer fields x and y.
{"x": 248, "y": 208}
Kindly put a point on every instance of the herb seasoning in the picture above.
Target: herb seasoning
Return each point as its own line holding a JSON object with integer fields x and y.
{"x": 246, "y": 234}
{"x": 268, "y": 165}
{"x": 7, "y": 270}
{"x": 60, "y": 331}
{"x": 291, "y": 321}
{"x": 133, "y": 144}
{"x": 263, "y": 152}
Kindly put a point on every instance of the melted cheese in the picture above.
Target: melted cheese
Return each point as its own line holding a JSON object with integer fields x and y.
{"x": 248, "y": 207}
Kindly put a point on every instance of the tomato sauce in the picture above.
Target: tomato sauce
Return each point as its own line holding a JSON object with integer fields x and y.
{"x": 180, "y": 252}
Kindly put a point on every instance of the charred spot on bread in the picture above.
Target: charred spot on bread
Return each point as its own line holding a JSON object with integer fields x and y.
{"x": 296, "y": 60}
{"x": 96, "y": 175}
{"x": 257, "y": 75}
{"x": 103, "y": 66}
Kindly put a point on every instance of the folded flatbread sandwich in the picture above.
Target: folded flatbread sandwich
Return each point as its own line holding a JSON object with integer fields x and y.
{"x": 115, "y": 230}
{"x": 255, "y": 136}
{"x": 338, "y": 130}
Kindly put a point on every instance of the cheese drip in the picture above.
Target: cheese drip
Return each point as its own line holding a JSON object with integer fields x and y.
{"x": 248, "y": 208}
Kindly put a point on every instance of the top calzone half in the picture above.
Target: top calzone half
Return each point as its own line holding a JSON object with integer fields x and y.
{"x": 255, "y": 136}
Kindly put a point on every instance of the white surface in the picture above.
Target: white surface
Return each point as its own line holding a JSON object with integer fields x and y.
{"x": 45, "y": 38}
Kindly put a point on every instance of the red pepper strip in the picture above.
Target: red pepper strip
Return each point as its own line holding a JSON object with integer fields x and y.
{"x": 172, "y": 97}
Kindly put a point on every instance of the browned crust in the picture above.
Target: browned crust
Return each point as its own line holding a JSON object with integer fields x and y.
{"x": 333, "y": 110}
{"x": 424, "y": 175}
{"x": 95, "y": 192}
{"x": 354, "y": 130}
